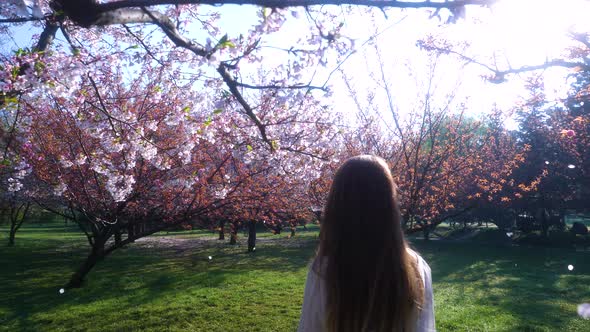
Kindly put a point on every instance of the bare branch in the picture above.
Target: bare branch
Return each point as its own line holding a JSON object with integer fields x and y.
{"x": 499, "y": 75}
{"x": 281, "y": 87}
{"x": 305, "y": 153}
{"x": 233, "y": 88}
{"x": 169, "y": 29}
{"x": 145, "y": 47}
{"x": 20, "y": 20}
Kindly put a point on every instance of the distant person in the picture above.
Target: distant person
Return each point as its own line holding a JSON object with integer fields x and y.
{"x": 364, "y": 276}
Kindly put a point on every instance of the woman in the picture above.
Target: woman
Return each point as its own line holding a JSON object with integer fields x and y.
{"x": 364, "y": 277}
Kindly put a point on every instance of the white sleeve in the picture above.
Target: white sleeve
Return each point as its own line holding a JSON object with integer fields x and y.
{"x": 426, "y": 318}
{"x": 312, "y": 314}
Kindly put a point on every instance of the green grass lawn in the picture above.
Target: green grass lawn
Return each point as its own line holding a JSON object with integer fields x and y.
{"x": 177, "y": 288}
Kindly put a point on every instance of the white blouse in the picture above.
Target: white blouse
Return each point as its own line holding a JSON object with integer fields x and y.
{"x": 314, "y": 301}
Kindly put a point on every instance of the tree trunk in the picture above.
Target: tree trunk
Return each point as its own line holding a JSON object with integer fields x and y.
{"x": 11, "y": 236}
{"x": 544, "y": 224}
{"x": 221, "y": 229}
{"x": 16, "y": 220}
{"x": 117, "y": 236}
{"x": 293, "y": 231}
{"x": 233, "y": 236}
{"x": 96, "y": 255}
{"x": 251, "y": 236}
{"x": 426, "y": 232}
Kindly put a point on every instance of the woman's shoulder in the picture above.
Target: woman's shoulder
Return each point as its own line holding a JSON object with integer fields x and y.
{"x": 422, "y": 264}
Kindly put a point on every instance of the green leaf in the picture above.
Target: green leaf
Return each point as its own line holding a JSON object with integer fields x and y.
{"x": 208, "y": 122}
{"x": 217, "y": 111}
{"x": 249, "y": 147}
{"x": 274, "y": 144}
{"x": 223, "y": 39}
{"x": 186, "y": 109}
{"x": 6, "y": 162}
{"x": 15, "y": 71}
{"x": 229, "y": 44}
{"x": 20, "y": 52}
{"x": 11, "y": 100}
{"x": 39, "y": 66}
{"x": 224, "y": 42}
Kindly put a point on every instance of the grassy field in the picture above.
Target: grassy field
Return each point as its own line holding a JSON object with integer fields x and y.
{"x": 169, "y": 284}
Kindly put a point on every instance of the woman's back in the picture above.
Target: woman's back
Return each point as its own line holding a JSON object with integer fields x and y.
{"x": 364, "y": 278}
{"x": 313, "y": 312}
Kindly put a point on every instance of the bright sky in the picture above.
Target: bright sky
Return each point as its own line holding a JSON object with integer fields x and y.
{"x": 511, "y": 33}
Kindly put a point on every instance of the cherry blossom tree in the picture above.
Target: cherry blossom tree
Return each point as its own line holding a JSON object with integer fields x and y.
{"x": 133, "y": 138}
{"x": 142, "y": 115}
{"x": 444, "y": 161}
{"x": 16, "y": 200}
{"x": 557, "y": 133}
{"x": 132, "y": 155}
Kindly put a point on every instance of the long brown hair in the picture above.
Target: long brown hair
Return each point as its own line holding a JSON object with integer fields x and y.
{"x": 372, "y": 282}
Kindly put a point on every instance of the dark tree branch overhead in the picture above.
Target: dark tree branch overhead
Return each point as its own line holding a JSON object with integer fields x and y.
{"x": 20, "y": 19}
{"x": 47, "y": 36}
{"x": 89, "y": 12}
{"x": 299, "y": 3}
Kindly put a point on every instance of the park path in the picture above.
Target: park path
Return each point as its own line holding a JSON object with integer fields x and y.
{"x": 181, "y": 244}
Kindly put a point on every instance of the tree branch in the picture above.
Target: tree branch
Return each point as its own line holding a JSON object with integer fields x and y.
{"x": 19, "y": 20}
{"x": 499, "y": 75}
{"x": 298, "y": 3}
{"x": 281, "y": 87}
{"x": 309, "y": 154}
{"x": 47, "y": 36}
{"x": 89, "y": 12}
{"x": 233, "y": 88}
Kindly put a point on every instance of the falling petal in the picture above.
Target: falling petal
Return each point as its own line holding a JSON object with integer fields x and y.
{"x": 570, "y": 166}
{"x": 509, "y": 234}
{"x": 61, "y": 290}
{"x": 570, "y": 267}
{"x": 210, "y": 258}
{"x": 584, "y": 310}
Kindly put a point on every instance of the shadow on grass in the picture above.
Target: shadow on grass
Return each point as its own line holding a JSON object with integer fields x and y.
{"x": 532, "y": 285}
{"x": 34, "y": 271}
